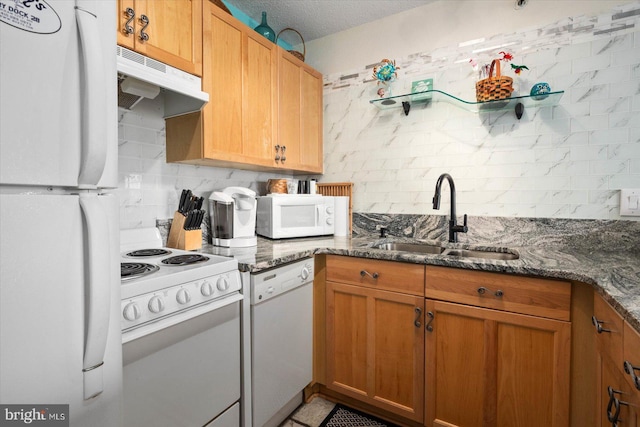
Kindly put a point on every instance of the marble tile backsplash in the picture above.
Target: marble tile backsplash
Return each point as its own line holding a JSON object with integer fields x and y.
{"x": 148, "y": 187}
{"x": 564, "y": 161}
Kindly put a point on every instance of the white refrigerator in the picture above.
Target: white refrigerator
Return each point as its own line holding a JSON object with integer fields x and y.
{"x": 60, "y": 340}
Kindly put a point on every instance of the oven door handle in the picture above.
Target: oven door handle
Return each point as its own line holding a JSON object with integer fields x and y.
{"x": 174, "y": 319}
{"x": 98, "y": 293}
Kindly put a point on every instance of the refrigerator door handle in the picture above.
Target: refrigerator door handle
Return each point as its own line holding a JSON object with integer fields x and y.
{"x": 97, "y": 291}
{"x": 94, "y": 100}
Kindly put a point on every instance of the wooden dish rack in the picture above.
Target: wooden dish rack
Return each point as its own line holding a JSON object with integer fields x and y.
{"x": 338, "y": 189}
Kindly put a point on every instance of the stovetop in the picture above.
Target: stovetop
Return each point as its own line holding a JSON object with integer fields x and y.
{"x": 173, "y": 279}
{"x": 171, "y": 267}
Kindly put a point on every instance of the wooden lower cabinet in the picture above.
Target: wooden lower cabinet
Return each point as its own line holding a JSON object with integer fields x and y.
{"x": 618, "y": 400}
{"x": 375, "y": 347}
{"x": 488, "y": 368}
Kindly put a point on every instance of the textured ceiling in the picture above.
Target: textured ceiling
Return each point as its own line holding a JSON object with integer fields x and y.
{"x": 318, "y": 18}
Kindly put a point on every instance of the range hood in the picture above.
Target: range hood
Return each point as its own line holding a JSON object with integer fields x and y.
{"x": 142, "y": 77}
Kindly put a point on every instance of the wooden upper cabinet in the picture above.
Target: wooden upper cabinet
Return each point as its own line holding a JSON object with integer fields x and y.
{"x": 300, "y": 109}
{"x": 173, "y": 31}
{"x": 237, "y": 127}
{"x": 265, "y": 105}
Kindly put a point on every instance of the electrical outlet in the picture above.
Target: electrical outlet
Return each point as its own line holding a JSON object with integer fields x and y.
{"x": 630, "y": 202}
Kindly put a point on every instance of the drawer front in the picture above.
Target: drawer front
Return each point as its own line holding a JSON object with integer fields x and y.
{"x": 631, "y": 351}
{"x": 371, "y": 273}
{"x": 608, "y": 326}
{"x": 525, "y": 295}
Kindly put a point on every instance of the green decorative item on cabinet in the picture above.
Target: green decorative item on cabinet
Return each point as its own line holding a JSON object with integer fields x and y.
{"x": 265, "y": 30}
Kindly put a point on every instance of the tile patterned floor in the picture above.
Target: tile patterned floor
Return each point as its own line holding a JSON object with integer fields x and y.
{"x": 309, "y": 414}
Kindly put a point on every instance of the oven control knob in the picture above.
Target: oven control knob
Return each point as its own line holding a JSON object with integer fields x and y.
{"x": 305, "y": 273}
{"x": 131, "y": 312}
{"x": 183, "y": 296}
{"x": 156, "y": 305}
{"x": 206, "y": 289}
{"x": 223, "y": 284}
{"x": 329, "y": 210}
{"x": 329, "y": 221}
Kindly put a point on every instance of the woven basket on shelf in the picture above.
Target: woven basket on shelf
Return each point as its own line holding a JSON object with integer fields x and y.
{"x": 494, "y": 87}
{"x": 299, "y": 55}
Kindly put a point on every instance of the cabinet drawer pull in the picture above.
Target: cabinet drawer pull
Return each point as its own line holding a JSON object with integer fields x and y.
{"x": 418, "y": 314}
{"x": 598, "y": 324}
{"x": 364, "y": 273}
{"x": 630, "y": 369}
{"x": 144, "y": 20}
{"x": 130, "y": 14}
{"x": 428, "y": 327}
{"x": 482, "y": 290}
{"x": 614, "y": 403}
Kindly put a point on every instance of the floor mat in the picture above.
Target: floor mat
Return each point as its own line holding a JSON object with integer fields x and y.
{"x": 342, "y": 416}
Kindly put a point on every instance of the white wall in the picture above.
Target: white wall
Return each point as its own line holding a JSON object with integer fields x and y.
{"x": 565, "y": 161}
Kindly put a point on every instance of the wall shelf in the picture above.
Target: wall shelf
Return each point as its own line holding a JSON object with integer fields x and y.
{"x": 517, "y": 103}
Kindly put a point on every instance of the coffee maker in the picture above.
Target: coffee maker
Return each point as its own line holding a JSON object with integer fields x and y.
{"x": 233, "y": 217}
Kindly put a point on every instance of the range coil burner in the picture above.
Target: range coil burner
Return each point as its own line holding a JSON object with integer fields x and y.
{"x": 141, "y": 253}
{"x": 131, "y": 270}
{"x": 187, "y": 259}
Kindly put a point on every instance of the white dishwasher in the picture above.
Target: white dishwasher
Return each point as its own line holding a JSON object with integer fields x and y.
{"x": 281, "y": 340}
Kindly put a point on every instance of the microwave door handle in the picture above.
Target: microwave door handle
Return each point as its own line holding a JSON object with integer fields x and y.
{"x": 98, "y": 293}
{"x": 93, "y": 97}
{"x": 317, "y": 214}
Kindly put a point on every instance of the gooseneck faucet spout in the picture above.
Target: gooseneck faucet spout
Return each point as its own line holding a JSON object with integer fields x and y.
{"x": 453, "y": 227}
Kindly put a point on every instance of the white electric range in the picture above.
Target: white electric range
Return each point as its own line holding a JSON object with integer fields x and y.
{"x": 180, "y": 333}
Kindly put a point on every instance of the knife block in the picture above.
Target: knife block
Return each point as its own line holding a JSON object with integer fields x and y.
{"x": 179, "y": 238}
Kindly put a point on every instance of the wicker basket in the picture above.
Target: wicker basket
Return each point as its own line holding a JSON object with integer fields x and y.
{"x": 277, "y": 186}
{"x": 299, "y": 55}
{"x": 494, "y": 87}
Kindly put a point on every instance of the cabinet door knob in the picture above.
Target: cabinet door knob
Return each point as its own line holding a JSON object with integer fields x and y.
{"x": 428, "y": 327}
{"x": 144, "y": 20}
{"x": 631, "y": 370}
{"x": 130, "y": 14}
{"x": 598, "y": 324}
{"x": 364, "y": 273}
{"x": 418, "y": 314}
{"x": 277, "y": 158}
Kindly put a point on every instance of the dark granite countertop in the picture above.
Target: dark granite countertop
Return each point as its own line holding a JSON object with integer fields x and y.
{"x": 602, "y": 253}
{"x": 614, "y": 273}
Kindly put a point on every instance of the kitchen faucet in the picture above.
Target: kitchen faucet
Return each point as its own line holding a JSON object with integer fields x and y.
{"x": 453, "y": 227}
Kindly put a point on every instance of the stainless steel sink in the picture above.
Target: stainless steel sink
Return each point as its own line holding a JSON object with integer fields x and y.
{"x": 425, "y": 248}
{"x": 422, "y": 248}
{"x": 469, "y": 253}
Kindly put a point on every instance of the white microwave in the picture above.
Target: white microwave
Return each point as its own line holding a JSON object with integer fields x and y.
{"x": 283, "y": 216}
